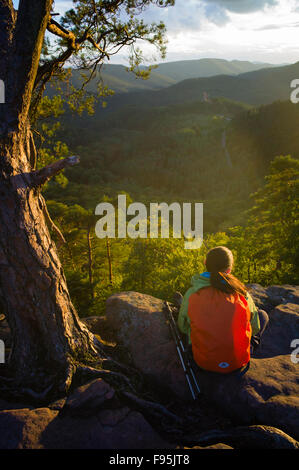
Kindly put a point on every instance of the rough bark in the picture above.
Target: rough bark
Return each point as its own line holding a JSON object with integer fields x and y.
{"x": 47, "y": 334}
{"x": 48, "y": 338}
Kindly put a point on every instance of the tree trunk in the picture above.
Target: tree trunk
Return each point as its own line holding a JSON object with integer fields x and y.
{"x": 48, "y": 338}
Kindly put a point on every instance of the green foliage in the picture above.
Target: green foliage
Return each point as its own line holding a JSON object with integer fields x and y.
{"x": 158, "y": 267}
{"x": 265, "y": 247}
{"x": 112, "y": 25}
{"x": 269, "y": 243}
{"x": 85, "y": 257}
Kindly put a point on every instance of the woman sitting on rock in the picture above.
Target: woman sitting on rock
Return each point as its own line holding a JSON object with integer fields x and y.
{"x": 220, "y": 317}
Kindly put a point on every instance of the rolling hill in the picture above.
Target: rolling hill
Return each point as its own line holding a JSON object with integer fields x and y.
{"x": 117, "y": 78}
{"x": 255, "y": 88}
{"x": 187, "y": 69}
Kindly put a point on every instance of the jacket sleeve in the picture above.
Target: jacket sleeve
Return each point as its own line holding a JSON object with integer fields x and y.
{"x": 255, "y": 321}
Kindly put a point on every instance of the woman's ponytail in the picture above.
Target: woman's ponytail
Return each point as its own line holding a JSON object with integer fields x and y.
{"x": 219, "y": 260}
{"x": 217, "y": 280}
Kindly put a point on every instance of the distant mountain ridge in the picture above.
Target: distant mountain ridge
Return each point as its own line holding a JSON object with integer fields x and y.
{"x": 117, "y": 78}
{"x": 255, "y": 88}
{"x": 258, "y": 87}
{"x": 201, "y": 68}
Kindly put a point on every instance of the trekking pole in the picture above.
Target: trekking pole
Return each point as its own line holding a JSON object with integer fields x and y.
{"x": 185, "y": 353}
{"x": 182, "y": 353}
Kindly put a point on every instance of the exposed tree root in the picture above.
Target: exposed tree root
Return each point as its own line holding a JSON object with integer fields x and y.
{"x": 85, "y": 373}
{"x": 38, "y": 397}
{"x": 12, "y": 388}
{"x": 175, "y": 428}
{"x": 183, "y": 430}
{"x": 110, "y": 362}
{"x": 156, "y": 410}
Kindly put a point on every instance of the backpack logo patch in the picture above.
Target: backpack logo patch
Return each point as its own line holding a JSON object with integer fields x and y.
{"x": 223, "y": 365}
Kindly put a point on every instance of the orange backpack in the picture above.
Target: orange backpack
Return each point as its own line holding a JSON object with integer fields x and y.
{"x": 220, "y": 330}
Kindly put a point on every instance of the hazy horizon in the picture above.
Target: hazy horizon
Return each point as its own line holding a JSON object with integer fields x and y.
{"x": 170, "y": 61}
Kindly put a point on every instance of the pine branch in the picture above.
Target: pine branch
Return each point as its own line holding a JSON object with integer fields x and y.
{"x": 40, "y": 177}
{"x": 55, "y": 28}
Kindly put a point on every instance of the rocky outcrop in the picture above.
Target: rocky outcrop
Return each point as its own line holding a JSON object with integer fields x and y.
{"x": 22, "y": 428}
{"x": 250, "y": 437}
{"x": 267, "y": 394}
{"x": 100, "y": 327}
{"x": 139, "y": 323}
{"x": 270, "y": 297}
{"x": 258, "y": 410}
{"x": 90, "y": 418}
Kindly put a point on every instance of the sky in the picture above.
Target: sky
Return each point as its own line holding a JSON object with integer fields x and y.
{"x": 255, "y": 30}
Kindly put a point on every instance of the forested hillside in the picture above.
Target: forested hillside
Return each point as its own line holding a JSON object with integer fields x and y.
{"x": 255, "y": 88}
{"x": 216, "y": 152}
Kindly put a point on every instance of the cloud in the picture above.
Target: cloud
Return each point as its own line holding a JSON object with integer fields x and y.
{"x": 190, "y": 15}
{"x": 216, "y": 15}
{"x": 199, "y": 16}
{"x": 216, "y": 11}
{"x": 241, "y": 6}
{"x": 185, "y": 15}
{"x": 269, "y": 27}
{"x": 61, "y": 6}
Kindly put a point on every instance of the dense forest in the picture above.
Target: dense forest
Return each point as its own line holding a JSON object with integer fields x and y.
{"x": 240, "y": 161}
